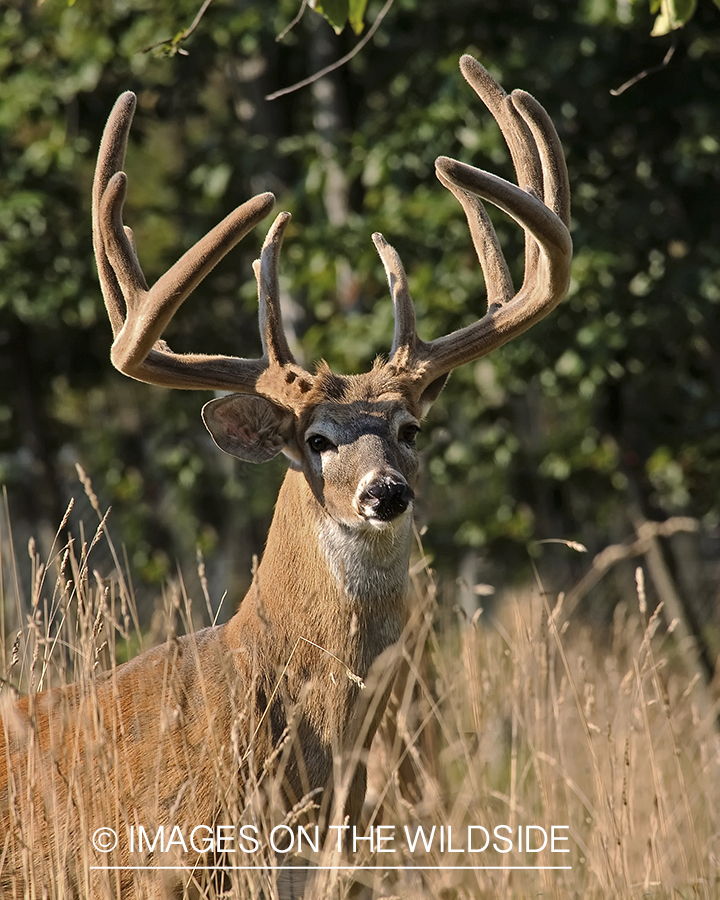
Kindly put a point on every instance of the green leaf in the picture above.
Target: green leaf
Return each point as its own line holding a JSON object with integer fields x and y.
{"x": 673, "y": 14}
{"x": 335, "y": 11}
{"x": 357, "y": 14}
{"x": 684, "y": 10}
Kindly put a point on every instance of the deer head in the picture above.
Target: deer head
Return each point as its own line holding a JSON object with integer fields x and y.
{"x": 351, "y": 436}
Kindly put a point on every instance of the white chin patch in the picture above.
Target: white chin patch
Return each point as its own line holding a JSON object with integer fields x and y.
{"x": 384, "y": 524}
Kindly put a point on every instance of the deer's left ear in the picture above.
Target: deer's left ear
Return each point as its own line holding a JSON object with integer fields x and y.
{"x": 252, "y": 428}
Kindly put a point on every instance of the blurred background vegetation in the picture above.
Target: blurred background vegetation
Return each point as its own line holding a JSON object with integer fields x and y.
{"x": 604, "y": 415}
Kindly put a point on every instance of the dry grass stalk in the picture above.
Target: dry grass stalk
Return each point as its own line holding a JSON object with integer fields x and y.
{"x": 508, "y": 722}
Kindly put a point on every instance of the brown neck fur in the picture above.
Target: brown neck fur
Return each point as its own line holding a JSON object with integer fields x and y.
{"x": 340, "y": 588}
{"x": 299, "y": 591}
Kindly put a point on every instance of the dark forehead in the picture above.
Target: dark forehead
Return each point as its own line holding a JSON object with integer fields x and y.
{"x": 380, "y": 385}
{"x": 361, "y": 415}
{"x": 371, "y": 397}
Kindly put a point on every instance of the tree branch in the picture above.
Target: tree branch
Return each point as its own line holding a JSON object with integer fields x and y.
{"x": 651, "y": 71}
{"x": 338, "y": 63}
{"x": 175, "y": 41}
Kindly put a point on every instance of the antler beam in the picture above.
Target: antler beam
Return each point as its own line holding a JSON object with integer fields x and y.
{"x": 139, "y": 314}
{"x": 539, "y": 203}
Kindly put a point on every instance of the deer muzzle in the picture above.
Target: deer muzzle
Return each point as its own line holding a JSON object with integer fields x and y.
{"x": 384, "y": 497}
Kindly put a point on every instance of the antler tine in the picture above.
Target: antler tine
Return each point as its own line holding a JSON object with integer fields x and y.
{"x": 111, "y": 157}
{"x": 497, "y": 276}
{"x": 540, "y": 204}
{"x": 516, "y": 134}
{"x": 542, "y": 223}
{"x": 405, "y": 337}
{"x": 498, "y": 281}
{"x": 136, "y": 350}
{"x": 514, "y": 129}
{"x": 274, "y": 339}
{"x": 139, "y": 315}
{"x": 555, "y": 183}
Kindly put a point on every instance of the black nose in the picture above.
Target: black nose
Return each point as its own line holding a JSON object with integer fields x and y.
{"x": 386, "y": 498}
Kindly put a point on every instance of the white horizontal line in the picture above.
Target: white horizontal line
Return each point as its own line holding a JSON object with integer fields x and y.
{"x": 314, "y": 868}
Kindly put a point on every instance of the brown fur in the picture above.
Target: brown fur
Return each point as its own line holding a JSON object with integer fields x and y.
{"x": 187, "y": 732}
{"x": 163, "y": 735}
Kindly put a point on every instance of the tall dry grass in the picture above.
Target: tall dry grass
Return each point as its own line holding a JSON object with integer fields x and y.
{"x": 496, "y": 721}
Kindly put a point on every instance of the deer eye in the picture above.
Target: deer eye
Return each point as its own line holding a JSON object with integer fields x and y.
{"x": 318, "y": 443}
{"x": 408, "y": 433}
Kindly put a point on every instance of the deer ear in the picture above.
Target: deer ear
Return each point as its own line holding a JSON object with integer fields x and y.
{"x": 252, "y": 428}
{"x": 432, "y": 392}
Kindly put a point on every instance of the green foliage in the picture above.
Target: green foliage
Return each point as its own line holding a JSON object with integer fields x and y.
{"x": 615, "y": 396}
{"x": 671, "y": 14}
{"x": 340, "y": 12}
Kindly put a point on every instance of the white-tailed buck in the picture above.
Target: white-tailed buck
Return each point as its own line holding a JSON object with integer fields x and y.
{"x": 267, "y": 699}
